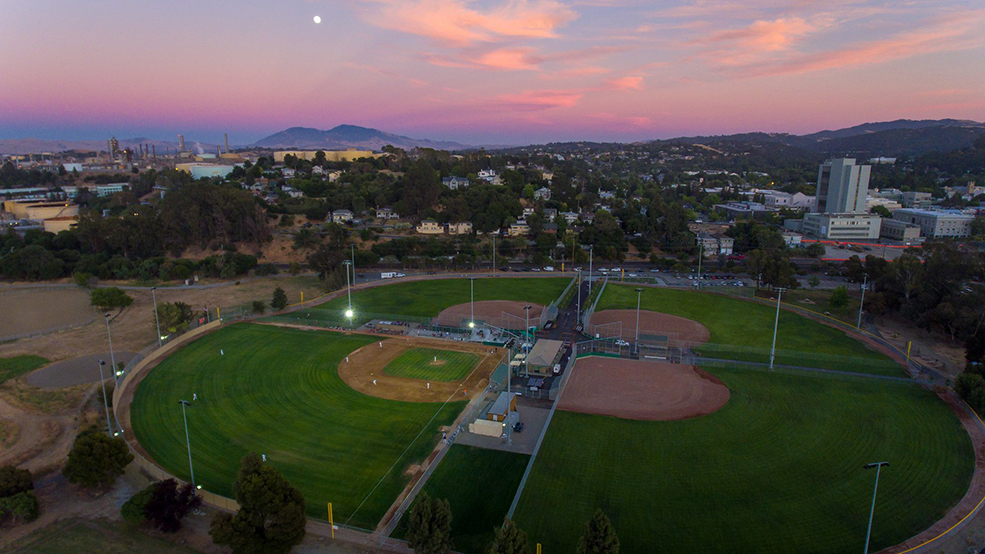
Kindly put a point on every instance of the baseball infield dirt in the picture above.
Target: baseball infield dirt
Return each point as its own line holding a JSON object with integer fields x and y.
{"x": 365, "y": 365}
{"x": 643, "y": 390}
{"x": 652, "y": 323}
{"x": 491, "y": 312}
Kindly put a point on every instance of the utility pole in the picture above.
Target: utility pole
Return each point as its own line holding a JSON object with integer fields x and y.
{"x": 865, "y": 285}
{"x": 776, "y": 324}
{"x": 494, "y": 254}
{"x": 112, "y": 356}
{"x": 701, "y": 252}
{"x": 639, "y": 296}
{"x": 878, "y": 466}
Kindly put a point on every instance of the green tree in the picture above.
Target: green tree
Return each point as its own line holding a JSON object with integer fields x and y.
{"x": 259, "y": 307}
{"x": 14, "y": 481}
{"x": 279, "y": 301}
{"x": 815, "y": 250}
{"x": 22, "y": 505}
{"x": 600, "y": 537}
{"x": 294, "y": 268}
{"x": 429, "y": 527}
{"x": 839, "y": 298}
{"x": 96, "y": 459}
{"x": 174, "y": 317}
{"x": 134, "y": 511}
{"x": 509, "y": 540}
{"x": 270, "y": 518}
{"x": 814, "y": 281}
{"x": 110, "y": 297}
{"x": 169, "y": 504}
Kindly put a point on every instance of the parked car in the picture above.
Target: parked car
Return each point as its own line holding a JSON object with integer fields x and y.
{"x": 518, "y": 427}
{"x": 621, "y": 342}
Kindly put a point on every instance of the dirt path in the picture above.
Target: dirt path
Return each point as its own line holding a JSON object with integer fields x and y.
{"x": 43, "y": 441}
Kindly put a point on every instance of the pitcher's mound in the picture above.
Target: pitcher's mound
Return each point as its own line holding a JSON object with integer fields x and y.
{"x": 650, "y": 391}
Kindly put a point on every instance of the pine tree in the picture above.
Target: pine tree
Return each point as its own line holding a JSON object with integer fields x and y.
{"x": 279, "y": 301}
{"x": 600, "y": 537}
{"x": 429, "y": 527}
{"x": 510, "y": 540}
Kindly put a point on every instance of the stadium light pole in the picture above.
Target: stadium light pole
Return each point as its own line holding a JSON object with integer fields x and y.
{"x": 591, "y": 254}
{"x": 872, "y": 512}
{"x": 526, "y": 335}
{"x": 776, "y": 325}
{"x": 112, "y": 356}
{"x": 865, "y": 285}
{"x": 102, "y": 380}
{"x": 157, "y": 319}
{"x": 348, "y": 288}
{"x": 188, "y": 441}
{"x": 639, "y": 296}
{"x": 471, "y": 302}
{"x": 353, "y": 262}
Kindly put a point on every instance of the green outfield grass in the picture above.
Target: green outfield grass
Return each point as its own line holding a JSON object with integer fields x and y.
{"x": 416, "y": 364}
{"x": 742, "y": 330}
{"x": 777, "y": 470}
{"x": 276, "y": 391}
{"x": 428, "y": 298}
{"x": 15, "y": 366}
{"x": 479, "y": 484}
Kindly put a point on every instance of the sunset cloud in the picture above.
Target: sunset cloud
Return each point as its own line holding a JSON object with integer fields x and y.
{"x": 537, "y": 100}
{"x": 464, "y": 22}
{"x": 627, "y": 83}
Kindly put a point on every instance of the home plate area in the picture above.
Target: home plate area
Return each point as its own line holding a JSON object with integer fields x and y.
{"x": 642, "y": 390}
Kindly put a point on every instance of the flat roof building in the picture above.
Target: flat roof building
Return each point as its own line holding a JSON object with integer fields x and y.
{"x": 843, "y": 226}
{"x": 936, "y": 224}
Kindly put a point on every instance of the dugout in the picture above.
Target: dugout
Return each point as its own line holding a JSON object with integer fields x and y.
{"x": 544, "y": 355}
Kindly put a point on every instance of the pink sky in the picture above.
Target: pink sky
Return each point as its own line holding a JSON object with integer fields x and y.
{"x": 507, "y": 72}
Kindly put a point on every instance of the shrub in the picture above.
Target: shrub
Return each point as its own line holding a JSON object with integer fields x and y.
{"x": 110, "y": 297}
{"x": 259, "y": 307}
{"x": 96, "y": 459}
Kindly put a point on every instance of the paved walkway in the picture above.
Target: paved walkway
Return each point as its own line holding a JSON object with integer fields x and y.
{"x": 76, "y": 371}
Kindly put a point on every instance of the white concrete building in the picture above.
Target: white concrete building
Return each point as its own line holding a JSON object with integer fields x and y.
{"x": 850, "y": 226}
{"x": 935, "y": 224}
{"x": 842, "y": 187}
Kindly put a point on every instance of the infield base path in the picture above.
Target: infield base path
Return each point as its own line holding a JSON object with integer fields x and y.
{"x": 366, "y": 365}
{"x": 491, "y": 311}
{"x": 642, "y": 390}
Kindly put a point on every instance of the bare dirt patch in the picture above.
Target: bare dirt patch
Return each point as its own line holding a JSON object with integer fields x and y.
{"x": 491, "y": 312}
{"x": 652, "y": 323}
{"x": 365, "y": 365}
{"x": 643, "y": 390}
{"x": 29, "y": 311}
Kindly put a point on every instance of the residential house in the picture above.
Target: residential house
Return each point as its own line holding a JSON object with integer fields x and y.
{"x": 333, "y": 176}
{"x": 288, "y": 172}
{"x": 570, "y": 217}
{"x": 527, "y": 212}
{"x": 550, "y": 228}
{"x": 543, "y": 193}
{"x": 455, "y": 183}
{"x": 550, "y": 214}
{"x": 342, "y": 216}
{"x": 519, "y": 229}
{"x": 462, "y": 228}
{"x": 386, "y": 212}
{"x": 488, "y": 175}
{"x": 430, "y": 227}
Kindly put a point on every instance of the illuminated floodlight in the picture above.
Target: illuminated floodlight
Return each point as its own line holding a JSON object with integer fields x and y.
{"x": 349, "y": 313}
{"x": 471, "y": 325}
{"x": 317, "y": 19}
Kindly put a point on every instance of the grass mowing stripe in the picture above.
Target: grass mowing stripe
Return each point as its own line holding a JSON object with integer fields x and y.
{"x": 479, "y": 485}
{"x": 416, "y": 364}
{"x": 743, "y": 330}
{"x": 778, "y": 469}
{"x": 276, "y": 391}
{"x": 428, "y": 298}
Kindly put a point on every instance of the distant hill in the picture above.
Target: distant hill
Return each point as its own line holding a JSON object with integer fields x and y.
{"x": 903, "y": 137}
{"x": 348, "y": 136}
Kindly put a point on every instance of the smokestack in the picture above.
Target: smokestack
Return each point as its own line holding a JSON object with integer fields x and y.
{"x": 153, "y": 150}
{"x": 218, "y": 153}
{"x": 109, "y": 148}
{"x": 227, "y": 142}
{"x": 181, "y": 143}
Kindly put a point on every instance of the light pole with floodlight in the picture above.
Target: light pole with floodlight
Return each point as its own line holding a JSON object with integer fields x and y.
{"x": 112, "y": 356}
{"x": 878, "y": 466}
{"x": 102, "y": 380}
{"x": 526, "y": 335}
{"x": 865, "y": 285}
{"x": 471, "y": 302}
{"x": 157, "y": 319}
{"x": 776, "y": 324}
{"x": 639, "y": 296}
{"x": 188, "y": 439}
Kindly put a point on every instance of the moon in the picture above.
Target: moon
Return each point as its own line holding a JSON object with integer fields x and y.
{"x": 317, "y": 19}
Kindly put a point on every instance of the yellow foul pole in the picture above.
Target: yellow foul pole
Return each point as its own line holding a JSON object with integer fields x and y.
{"x": 331, "y": 524}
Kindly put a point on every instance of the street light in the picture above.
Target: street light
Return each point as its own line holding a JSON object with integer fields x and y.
{"x": 776, "y": 324}
{"x": 157, "y": 319}
{"x": 878, "y": 466}
{"x": 102, "y": 380}
{"x": 112, "y": 356}
{"x": 639, "y": 295}
{"x": 865, "y": 285}
{"x": 187, "y": 439}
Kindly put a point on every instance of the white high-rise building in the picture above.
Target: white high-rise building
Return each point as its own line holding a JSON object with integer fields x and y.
{"x": 842, "y": 187}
